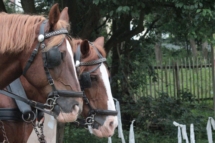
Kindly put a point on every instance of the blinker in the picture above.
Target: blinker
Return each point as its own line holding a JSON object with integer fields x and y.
{"x": 53, "y": 57}
{"x": 85, "y": 80}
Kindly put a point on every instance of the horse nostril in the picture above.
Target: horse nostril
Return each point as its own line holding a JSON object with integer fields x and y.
{"x": 74, "y": 106}
{"x": 111, "y": 124}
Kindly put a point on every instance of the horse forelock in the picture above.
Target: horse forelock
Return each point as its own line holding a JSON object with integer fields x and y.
{"x": 18, "y": 32}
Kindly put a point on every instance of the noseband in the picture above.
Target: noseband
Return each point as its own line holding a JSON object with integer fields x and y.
{"x": 85, "y": 82}
{"x": 51, "y": 59}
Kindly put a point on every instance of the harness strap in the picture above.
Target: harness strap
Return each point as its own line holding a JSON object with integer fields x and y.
{"x": 105, "y": 112}
{"x": 77, "y": 56}
{"x": 16, "y": 87}
{"x": 31, "y": 59}
{"x": 10, "y": 114}
{"x": 54, "y": 33}
{"x": 94, "y": 62}
{"x": 67, "y": 93}
{"x": 29, "y": 102}
{"x": 34, "y": 53}
{"x": 48, "y": 75}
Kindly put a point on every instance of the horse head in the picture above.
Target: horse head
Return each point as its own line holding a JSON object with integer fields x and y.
{"x": 40, "y": 50}
{"x": 99, "y": 108}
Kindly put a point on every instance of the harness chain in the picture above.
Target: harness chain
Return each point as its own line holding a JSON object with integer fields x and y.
{"x": 41, "y": 136}
{"x": 3, "y": 132}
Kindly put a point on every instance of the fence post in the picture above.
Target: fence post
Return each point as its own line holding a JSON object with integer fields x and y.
{"x": 177, "y": 81}
{"x": 213, "y": 78}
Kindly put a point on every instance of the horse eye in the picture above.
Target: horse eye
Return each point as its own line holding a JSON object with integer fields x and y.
{"x": 93, "y": 78}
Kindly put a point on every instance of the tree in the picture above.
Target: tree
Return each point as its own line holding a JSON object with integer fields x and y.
{"x": 28, "y": 6}
{"x": 2, "y": 7}
{"x": 185, "y": 21}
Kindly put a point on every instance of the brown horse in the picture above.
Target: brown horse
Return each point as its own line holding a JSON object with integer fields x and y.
{"x": 99, "y": 107}
{"x": 93, "y": 63}
{"x": 46, "y": 61}
{"x": 98, "y": 93}
{"x": 99, "y": 96}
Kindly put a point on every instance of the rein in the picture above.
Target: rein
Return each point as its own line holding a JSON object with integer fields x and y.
{"x": 85, "y": 82}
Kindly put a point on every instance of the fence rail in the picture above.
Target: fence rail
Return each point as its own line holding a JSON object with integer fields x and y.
{"x": 188, "y": 76}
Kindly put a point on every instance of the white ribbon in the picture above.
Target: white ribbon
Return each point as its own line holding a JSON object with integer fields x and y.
{"x": 120, "y": 131}
{"x": 109, "y": 140}
{"x": 184, "y": 132}
{"x": 210, "y": 123}
{"x": 90, "y": 129}
{"x": 131, "y": 133}
{"x": 192, "y": 135}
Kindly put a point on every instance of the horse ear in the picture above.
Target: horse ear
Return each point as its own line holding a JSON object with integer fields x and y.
{"x": 64, "y": 15}
{"x": 54, "y": 16}
{"x": 100, "y": 41}
{"x": 85, "y": 48}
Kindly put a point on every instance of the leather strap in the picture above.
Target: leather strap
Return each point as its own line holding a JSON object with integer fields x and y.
{"x": 29, "y": 102}
{"x": 16, "y": 87}
{"x": 10, "y": 114}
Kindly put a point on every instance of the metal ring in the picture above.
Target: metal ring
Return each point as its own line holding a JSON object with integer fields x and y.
{"x": 29, "y": 115}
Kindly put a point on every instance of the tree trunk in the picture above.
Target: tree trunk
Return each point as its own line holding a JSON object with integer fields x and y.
{"x": 28, "y": 6}
{"x": 205, "y": 50}
{"x": 158, "y": 51}
{"x": 114, "y": 67}
{"x": 193, "y": 47}
{"x": 72, "y": 11}
{"x": 2, "y": 7}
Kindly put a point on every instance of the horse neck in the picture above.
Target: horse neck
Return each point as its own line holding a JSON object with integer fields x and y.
{"x": 9, "y": 68}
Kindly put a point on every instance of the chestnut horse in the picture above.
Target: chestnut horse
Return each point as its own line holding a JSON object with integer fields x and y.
{"x": 98, "y": 94}
{"x": 99, "y": 109}
{"x": 46, "y": 61}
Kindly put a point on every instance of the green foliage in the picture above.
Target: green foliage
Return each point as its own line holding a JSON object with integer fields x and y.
{"x": 10, "y": 6}
{"x": 154, "y": 121}
{"x": 43, "y": 7}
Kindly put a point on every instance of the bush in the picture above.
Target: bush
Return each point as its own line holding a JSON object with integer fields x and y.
{"x": 154, "y": 121}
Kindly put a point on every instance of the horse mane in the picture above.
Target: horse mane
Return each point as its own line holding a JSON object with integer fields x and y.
{"x": 18, "y": 32}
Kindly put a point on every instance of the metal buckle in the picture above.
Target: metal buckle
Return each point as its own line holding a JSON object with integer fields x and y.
{"x": 51, "y": 102}
{"x": 51, "y": 82}
{"x": 42, "y": 46}
{"x": 34, "y": 103}
{"x": 90, "y": 120}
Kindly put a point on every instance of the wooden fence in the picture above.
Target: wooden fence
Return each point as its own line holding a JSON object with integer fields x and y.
{"x": 188, "y": 76}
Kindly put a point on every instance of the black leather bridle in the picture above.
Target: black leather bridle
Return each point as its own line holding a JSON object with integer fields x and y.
{"x": 85, "y": 82}
{"x": 55, "y": 94}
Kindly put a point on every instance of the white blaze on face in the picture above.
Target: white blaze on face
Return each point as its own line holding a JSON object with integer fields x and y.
{"x": 69, "y": 48}
{"x": 105, "y": 78}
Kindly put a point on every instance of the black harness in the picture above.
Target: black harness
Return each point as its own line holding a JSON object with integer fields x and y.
{"x": 51, "y": 59}
{"x": 85, "y": 82}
